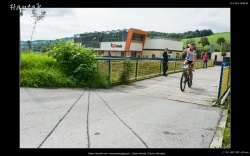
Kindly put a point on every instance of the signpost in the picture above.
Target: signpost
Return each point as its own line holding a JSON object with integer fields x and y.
{"x": 211, "y": 48}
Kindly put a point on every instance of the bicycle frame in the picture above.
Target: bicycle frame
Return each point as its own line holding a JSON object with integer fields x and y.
{"x": 185, "y": 77}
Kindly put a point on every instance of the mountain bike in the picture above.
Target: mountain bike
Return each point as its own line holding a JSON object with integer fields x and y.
{"x": 185, "y": 77}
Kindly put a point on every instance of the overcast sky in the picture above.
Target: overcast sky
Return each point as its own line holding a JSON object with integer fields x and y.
{"x": 65, "y": 22}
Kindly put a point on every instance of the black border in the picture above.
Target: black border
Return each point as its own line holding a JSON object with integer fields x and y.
{"x": 239, "y": 29}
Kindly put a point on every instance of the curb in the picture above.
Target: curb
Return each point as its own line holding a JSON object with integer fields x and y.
{"x": 218, "y": 136}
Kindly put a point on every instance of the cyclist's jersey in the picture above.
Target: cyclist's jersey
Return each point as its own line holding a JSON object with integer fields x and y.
{"x": 190, "y": 55}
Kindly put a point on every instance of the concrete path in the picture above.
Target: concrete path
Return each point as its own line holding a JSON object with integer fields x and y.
{"x": 153, "y": 113}
{"x": 204, "y": 90}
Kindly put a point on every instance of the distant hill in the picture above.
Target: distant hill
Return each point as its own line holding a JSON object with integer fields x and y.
{"x": 212, "y": 39}
{"x": 42, "y": 41}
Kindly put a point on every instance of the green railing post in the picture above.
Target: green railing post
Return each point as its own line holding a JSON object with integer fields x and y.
{"x": 220, "y": 82}
{"x": 136, "y": 69}
{"x": 160, "y": 66}
{"x": 109, "y": 72}
{"x": 175, "y": 65}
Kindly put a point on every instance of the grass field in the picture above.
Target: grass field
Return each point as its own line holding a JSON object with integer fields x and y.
{"x": 212, "y": 39}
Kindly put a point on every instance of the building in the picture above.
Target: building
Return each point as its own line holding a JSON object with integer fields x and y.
{"x": 24, "y": 48}
{"x": 128, "y": 43}
{"x": 216, "y": 56}
{"x": 154, "y": 48}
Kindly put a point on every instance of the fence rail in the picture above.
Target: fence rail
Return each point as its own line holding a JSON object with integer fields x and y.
{"x": 225, "y": 79}
{"x": 142, "y": 68}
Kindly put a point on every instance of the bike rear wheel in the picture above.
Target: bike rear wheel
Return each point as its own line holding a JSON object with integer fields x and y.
{"x": 183, "y": 82}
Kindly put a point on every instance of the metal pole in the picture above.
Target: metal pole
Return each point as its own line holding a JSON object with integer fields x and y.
{"x": 220, "y": 82}
{"x": 160, "y": 66}
{"x": 136, "y": 69}
{"x": 225, "y": 96}
{"x": 175, "y": 65}
{"x": 21, "y": 14}
{"x": 109, "y": 72}
{"x": 220, "y": 46}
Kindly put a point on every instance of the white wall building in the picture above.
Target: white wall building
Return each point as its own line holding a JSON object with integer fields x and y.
{"x": 129, "y": 43}
{"x": 216, "y": 56}
{"x": 155, "y": 48}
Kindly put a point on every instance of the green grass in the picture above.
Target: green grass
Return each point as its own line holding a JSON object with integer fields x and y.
{"x": 226, "y": 135}
{"x": 41, "y": 70}
{"x": 212, "y": 39}
{"x": 226, "y": 143}
{"x": 227, "y": 131}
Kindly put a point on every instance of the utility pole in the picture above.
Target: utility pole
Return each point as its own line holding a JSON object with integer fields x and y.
{"x": 220, "y": 46}
{"x": 21, "y": 14}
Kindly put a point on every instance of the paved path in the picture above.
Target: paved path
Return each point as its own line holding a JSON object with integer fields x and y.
{"x": 152, "y": 113}
{"x": 203, "y": 91}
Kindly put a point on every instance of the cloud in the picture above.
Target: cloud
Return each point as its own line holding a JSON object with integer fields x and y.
{"x": 65, "y": 22}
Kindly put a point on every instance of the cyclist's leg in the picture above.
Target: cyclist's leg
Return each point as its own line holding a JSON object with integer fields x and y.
{"x": 190, "y": 70}
{"x": 191, "y": 74}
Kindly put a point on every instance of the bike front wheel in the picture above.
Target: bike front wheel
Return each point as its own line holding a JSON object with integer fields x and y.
{"x": 189, "y": 82}
{"x": 183, "y": 82}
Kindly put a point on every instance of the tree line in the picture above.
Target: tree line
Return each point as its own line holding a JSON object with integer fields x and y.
{"x": 42, "y": 46}
{"x": 179, "y": 36}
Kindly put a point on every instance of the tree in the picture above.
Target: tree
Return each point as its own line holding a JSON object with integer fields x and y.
{"x": 44, "y": 49}
{"x": 37, "y": 18}
{"x": 220, "y": 40}
{"x": 226, "y": 46}
{"x": 223, "y": 54}
{"x": 189, "y": 41}
{"x": 29, "y": 44}
{"x": 204, "y": 41}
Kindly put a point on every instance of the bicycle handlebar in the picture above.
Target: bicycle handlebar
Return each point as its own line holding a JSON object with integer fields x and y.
{"x": 184, "y": 65}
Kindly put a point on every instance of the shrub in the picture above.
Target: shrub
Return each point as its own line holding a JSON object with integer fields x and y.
{"x": 78, "y": 62}
{"x": 41, "y": 70}
{"x": 223, "y": 54}
{"x": 127, "y": 69}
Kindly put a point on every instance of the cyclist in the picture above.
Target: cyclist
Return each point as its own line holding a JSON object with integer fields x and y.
{"x": 190, "y": 58}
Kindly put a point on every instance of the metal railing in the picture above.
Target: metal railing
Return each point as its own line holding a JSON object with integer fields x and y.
{"x": 142, "y": 68}
{"x": 225, "y": 81}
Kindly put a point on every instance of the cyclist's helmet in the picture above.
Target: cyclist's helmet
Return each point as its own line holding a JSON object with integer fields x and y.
{"x": 193, "y": 44}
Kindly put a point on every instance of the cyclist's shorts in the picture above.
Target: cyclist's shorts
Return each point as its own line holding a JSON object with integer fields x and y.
{"x": 190, "y": 63}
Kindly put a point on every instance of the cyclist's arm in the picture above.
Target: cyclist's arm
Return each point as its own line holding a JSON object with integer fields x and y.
{"x": 194, "y": 59}
{"x": 184, "y": 52}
